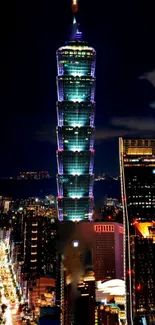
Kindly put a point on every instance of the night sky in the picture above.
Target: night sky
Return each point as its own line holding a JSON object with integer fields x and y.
{"x": 123, "y": 33}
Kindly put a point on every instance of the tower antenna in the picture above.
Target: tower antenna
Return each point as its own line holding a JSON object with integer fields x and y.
{"x": 74, "y": 9}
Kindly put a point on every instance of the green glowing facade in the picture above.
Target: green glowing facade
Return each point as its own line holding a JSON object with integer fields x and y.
{"x": 75, "y": 130}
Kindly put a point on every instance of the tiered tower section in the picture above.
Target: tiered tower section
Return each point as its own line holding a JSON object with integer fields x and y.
{"x": 75, "y": 130}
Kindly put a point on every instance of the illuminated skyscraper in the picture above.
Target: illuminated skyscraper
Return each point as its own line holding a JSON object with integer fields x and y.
{"x": 75, "y": 130}
{"x": 143, "y": 272}
{"x": 137, "y": 168}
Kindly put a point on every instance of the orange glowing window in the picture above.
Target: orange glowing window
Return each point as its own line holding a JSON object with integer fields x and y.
{"x": 139, "y": 151}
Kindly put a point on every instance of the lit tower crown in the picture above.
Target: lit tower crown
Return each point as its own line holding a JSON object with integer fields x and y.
{"x": 75, "y": 131}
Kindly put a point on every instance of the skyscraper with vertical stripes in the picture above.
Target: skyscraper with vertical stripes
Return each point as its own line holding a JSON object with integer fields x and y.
{"x": 137, "y": 174}
{"x": 75, "y": 127}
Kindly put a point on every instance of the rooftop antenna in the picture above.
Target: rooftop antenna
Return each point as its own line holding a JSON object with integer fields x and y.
{"x": 77, "y": 35}
{"x": 74, "y": 10}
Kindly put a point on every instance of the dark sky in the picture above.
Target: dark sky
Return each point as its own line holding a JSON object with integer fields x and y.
{"x": 123, "y": 33}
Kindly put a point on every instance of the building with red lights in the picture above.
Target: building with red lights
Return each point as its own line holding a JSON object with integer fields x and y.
{"x": 108, "y": 250}
{"x": 102, "y": 239}
{"x": 96, "y": 246}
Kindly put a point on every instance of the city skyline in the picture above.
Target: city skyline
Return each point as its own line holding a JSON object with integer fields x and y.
{"x": 84, "y": 253}
{"x": 125, "y": 91}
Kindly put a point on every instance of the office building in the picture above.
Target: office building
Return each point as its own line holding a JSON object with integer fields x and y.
{"x": 79, "y": 298}
{"x": 138, "y": 175}
{"x": 85, "y": 302}
{"x": 143, "y": 271}
{"x": 101, "y": 239}
{"x": 39, "y": 257}
{"x": 137, "y": 168}
{"x": 108, "y": 241}
{"x": 39, "y": 245}
{"x": 75, "y": 128}
{"x": 85, "y": 246}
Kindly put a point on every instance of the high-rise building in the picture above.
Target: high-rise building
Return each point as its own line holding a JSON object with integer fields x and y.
{"x": 75, "y": 130}
{"x": 108, "y": 241}
{"x": 138, "y": 175}
{"x": 85, "y": 301}
{"x": 88, "y": 245}
{"x": 39, "y": 257}
{"x": 143, "y": 275}
{"x": 39, "y": 246}
{"x": 79, "y": 297}
{"x": 137, "y": 168}
{"x": 102, "y": 239}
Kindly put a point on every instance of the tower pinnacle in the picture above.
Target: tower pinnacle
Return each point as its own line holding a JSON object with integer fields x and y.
{"x": 76, "y": 34}
{"x": 74, "y": 6}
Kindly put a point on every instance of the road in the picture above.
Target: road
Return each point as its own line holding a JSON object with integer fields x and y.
{"x": 8, "y": 294}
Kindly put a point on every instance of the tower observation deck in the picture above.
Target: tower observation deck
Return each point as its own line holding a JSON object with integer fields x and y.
{"x": 75, "y": 127}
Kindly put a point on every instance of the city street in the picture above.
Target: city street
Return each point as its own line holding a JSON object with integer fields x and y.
{"x": 9, "y": 302}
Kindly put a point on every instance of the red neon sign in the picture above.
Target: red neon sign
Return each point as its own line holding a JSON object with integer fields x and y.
{"x": 103, "y": 228}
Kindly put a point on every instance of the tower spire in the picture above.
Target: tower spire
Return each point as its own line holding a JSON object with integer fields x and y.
{"x": 77, "y": 35}
{"x": 74, "y": 9}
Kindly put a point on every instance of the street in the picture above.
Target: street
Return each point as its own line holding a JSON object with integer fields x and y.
{"x": 9, "y": 300}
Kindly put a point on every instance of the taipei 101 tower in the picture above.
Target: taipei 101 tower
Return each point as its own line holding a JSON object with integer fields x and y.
{"x": 75, "y": 126}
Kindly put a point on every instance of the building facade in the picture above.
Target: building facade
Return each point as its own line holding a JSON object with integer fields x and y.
{"x": 108, "y": 241}
{"x": 137, "y": 169}
{"x": 143, "y": 275}
{"x": 88, "y": 245}
{"x": 107, "y": 315}
{"x": 39, "y": 246}
{"x": 98, "y": 239}
{"x": 75, "y": 129}
{"x": 79, "y": 300}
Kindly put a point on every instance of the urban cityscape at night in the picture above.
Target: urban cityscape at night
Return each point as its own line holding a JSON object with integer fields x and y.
{"x": 77, "y": 168}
